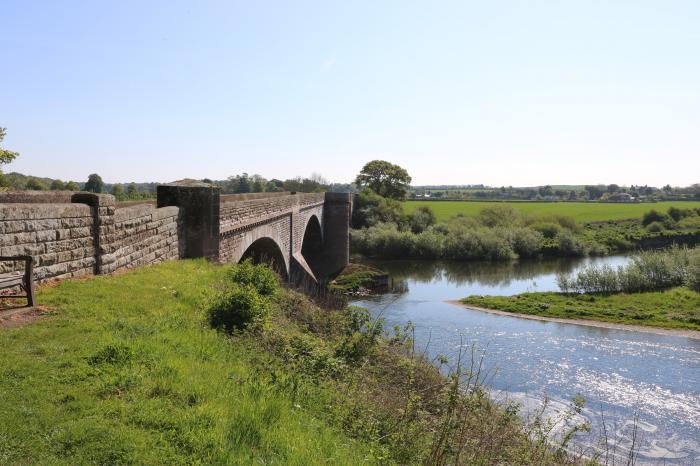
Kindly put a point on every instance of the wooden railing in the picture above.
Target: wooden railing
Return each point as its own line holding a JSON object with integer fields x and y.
{"x": 25, "y": 281}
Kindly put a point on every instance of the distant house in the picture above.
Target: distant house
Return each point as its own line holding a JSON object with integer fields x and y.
{"x": 622, "y": 197}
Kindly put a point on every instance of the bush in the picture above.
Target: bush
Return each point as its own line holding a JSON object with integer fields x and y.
{"x": 693, "y": 275}
{"x": 496, "y": 216}
{"x": 239, "y": 307}
{"x": 374, "y": 209}
{"x": 421, "y": 219}
{"x": 653, "y": 216}
{"x": 548, "y": 229}
{"x": 569, "y": 245}
{"x": 261, "y": 277}
{"x": 649, "y": 271}
{"x": 655, "y": 227}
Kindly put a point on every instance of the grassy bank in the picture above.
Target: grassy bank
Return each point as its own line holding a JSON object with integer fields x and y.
{"x": 583, "y": 212}
{"x": 356, "y": 277}
{"x": 677, "y": 308}
{"x": 127, "y": 370}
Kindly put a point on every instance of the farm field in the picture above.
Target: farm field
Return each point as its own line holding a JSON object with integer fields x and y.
{"x": 581, "y": 211}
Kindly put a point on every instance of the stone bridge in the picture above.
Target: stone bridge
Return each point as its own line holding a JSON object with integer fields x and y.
{"x": 304, "y": 236}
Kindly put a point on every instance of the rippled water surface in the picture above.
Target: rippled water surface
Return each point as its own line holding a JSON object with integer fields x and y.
{"x": 628, "y": 378}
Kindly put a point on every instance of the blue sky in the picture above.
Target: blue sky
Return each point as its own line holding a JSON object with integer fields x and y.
{"x": 502, "y": 92}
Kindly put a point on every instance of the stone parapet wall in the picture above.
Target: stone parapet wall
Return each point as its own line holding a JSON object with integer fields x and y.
{"x": 238, "y": 214}
{"x": 84, "y": 235}
{"x": 60, "y": 238}
{"x": 140, "y": 235}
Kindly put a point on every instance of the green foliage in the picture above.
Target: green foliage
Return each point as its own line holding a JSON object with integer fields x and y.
{"x": 135, "y": 378}
{"x": 653, "y": 216}
{"x": 421, "y": 218}
{"x": 238, "y": 307}
{"x": 57, "y": 185}
{"x": 118, "y": 191}
{"x": 94, "y": 184}
{"x": 499, "y": 216}
{"x": 384, "y": 178}
{"x": 673, "y": 308}
{"x": 549, "y": 230}
{"x": 258, "y": 276}
{"x": 693, "y": 273}
{"x": 656, "y": 227}
{"x": 648, "y": 271}
{"x": 35, "y": 184}
{"x": 6, "y": 156}
{"x": 373, "y": 209}
{"x": 72, "y": 186}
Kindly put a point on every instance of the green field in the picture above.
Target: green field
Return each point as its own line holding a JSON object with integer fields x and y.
{"x": 581, "y": 211}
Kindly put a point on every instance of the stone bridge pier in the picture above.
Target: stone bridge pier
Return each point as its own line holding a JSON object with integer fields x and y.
{"x": 305, "y": 237}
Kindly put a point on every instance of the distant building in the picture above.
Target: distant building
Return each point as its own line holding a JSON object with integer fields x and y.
{"x": 622, "y": 197}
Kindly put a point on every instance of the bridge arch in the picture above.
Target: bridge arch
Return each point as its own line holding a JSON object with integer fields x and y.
{"x": 312, "y": 244}
{"x": 265, "y": 250}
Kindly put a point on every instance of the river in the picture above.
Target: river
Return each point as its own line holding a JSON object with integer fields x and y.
{"x": 635, "y": 384}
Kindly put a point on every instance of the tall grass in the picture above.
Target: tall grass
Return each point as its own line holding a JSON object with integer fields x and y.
{"x": 647, "y": 271}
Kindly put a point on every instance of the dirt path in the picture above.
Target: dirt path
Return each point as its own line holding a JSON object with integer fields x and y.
{"x": 589, "y": 323}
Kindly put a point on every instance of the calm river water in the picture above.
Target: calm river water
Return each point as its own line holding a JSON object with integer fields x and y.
{"x": 627, "y": 378}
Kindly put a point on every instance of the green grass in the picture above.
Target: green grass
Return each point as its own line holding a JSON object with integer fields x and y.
{"x": 356, "y": 276}
{"x": 678, "y": 308}
{"x": 581, "y": 211}
{"x": 127, "y": 372}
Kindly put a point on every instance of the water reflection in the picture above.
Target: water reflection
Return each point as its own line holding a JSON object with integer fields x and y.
{"x": 620, "y": 373}
{"x": 540, "y": 274}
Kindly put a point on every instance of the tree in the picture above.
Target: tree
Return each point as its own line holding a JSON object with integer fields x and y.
{"x": 94, "y": 184}
{"x": 34, "y": 184}
{"x": 72, "y": 186}
{"x": 384, "y": 178}
{"x": 57, "y": 185}
{"x": 118, "y": 191}
{"x": 131, "y": 189}
{"x": 6, "y": 156}
{"x": 594, "y": 192}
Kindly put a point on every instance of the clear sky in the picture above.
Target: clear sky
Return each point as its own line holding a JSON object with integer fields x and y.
{"x": 519, "y": 92}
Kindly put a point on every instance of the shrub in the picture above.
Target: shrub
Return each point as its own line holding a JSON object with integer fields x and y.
{"x": 526, "y": 242}
{"x": 655, "y": 227}
{"x": 548, "y": 229}
{"x": 237, "y": 308}
{"x": 649, "y": 271}
{"x": 421, "y": 219}
{"x": 678, "y": 214}
{"x": 653, "y": 216}
{"x": 499, "y": 216}
{"x": 374, "y": 209}
{"x": 569, "y": 245}
{"x": 693, "y": 275}
{"x": 261, "y": 277}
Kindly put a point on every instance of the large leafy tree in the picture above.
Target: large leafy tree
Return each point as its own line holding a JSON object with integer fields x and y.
{"x": 384, "y": 178}
{"x": 95, "y": 184}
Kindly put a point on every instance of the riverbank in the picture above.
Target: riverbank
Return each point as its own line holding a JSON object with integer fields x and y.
{"x": 359, "y": 279}
{"x": 676, "y": 311}
{"x": 695, "y": 334}
{"x": 126, "y": 369}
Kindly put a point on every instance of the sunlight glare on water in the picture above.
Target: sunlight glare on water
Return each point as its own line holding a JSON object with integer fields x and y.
{"x": 627, "y": 378}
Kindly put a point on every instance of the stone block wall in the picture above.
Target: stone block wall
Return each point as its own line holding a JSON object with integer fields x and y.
{"x": 79, "y": 234}
{"x": 60, "y": 238}
{"x": 141, "y": 235}
{"x": 242, "y": 213}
